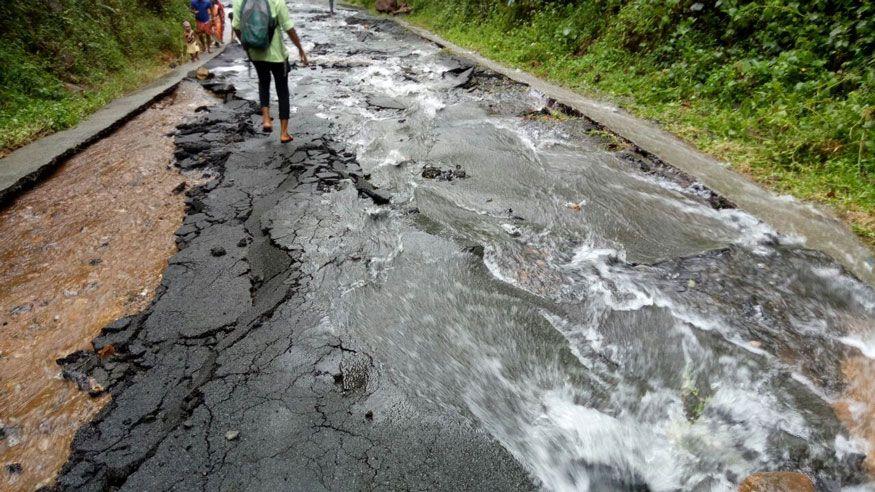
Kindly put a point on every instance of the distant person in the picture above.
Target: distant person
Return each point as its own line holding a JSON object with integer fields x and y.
{"x": 255, "y": 23}
{"x": 203, "y": 21}
{"x": 218, "y": 13}
{"x": 231, "y": 18}
{"x": 191, "y": 43}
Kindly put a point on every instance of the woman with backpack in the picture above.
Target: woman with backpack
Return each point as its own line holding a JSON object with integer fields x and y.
{"x": 255, "y": 23}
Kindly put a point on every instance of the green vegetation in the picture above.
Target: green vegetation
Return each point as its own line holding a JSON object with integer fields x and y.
{"x": 782, "y": 89}
{"x": 60, "y": 60}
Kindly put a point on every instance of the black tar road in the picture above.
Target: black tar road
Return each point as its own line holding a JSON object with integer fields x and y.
{"x": 229, "y": 380}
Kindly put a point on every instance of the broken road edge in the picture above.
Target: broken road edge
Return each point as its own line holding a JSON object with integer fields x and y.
{"x": 812, "y": 225}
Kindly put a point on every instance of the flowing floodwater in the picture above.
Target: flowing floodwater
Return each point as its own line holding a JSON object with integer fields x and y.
{"x": 85, "y": 247}
{"x": 611, "y": 322}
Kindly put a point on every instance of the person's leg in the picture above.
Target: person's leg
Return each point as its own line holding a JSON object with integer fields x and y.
{"x": 263, "y": 71}
{"x": 203, "y": 35}
{"x": 281, "y": 80}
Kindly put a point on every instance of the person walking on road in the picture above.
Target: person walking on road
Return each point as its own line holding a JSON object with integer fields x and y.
{"x": 203, "y": 22}
{"x": 255, "y": 23}
{"x": 218, "y": 14}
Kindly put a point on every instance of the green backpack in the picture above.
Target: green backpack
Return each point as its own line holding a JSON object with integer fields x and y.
{"x": 257, "y": 25}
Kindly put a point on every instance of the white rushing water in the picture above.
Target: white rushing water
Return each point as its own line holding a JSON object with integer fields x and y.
{"x": 617, "y": 330}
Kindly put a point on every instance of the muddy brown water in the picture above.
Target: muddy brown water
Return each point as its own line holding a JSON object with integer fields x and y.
{"x": 85, "y": 247}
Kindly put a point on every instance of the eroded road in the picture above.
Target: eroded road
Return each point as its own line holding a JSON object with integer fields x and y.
{"x": 445, "y": 284}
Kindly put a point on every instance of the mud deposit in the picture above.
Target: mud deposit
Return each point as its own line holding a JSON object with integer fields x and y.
{"x": 84, "y": 248}
{"x": 443, "y": 283}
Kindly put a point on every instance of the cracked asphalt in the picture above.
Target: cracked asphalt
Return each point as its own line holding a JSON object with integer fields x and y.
{"x": 448, "y": 282}
{"x": 235, "y": 343}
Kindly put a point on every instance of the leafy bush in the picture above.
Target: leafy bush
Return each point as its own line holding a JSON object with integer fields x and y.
{"x": 61, "y": 59}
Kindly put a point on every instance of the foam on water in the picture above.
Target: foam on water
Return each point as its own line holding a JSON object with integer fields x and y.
{"x": 865, "y": 346}
{"x": 658, "y": 385}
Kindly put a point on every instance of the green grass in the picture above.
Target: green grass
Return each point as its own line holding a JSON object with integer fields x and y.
{"x": 62, "y": 60}
{"x": 35, "y": 117}
{"x": 781, "y": 90}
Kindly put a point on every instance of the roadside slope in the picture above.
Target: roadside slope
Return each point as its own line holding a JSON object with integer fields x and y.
{"x": 781, "y": 90}
{"x": 64, "y": 59}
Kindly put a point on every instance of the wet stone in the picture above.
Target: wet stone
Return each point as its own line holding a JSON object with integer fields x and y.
{"x": 187, "y": 229}
{"x": 432, "y": 172}
{"x": 217, "y": 251}
{"x": 459, "y": 77}
{"x": 189, "y": 163}
{"x": 338, "y": 166}
{"x": 21, "y": 309}
{"x": 219, "y": 87}
{"x": 191, "y": 138}
{"x": 213, "y": 137}
{"x": 385, "y": 102}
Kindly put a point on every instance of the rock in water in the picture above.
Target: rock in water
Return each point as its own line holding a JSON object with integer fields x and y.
{"x": 782, "y": 481}
{"x": 391, "y": 7}
{"x": 386, "y": 6}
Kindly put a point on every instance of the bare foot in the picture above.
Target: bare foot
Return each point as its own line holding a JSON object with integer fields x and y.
{"x": 286, "y": 138}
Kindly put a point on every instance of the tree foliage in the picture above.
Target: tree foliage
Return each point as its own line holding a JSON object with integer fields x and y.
{"x": 58, "y": 56}
{"x": 44, "y": 45}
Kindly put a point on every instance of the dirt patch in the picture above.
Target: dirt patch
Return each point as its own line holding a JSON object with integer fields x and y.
{"x": 777, "y": 482}
{"x": 86, "y": 247}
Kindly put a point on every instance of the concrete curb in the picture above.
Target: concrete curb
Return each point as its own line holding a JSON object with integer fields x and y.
{"x": 26, "y": 166}
{"x": 817, "y": 228}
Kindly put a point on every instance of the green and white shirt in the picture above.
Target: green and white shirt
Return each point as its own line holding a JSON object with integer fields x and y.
{"x": 276, "y": 52}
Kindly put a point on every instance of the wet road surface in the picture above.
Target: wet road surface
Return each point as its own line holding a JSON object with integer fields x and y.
{"x": 447, "y": 282}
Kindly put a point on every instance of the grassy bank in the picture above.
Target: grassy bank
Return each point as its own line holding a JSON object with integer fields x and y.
{"x": 781, "y": 89}
{"x": 61, "y": 60}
